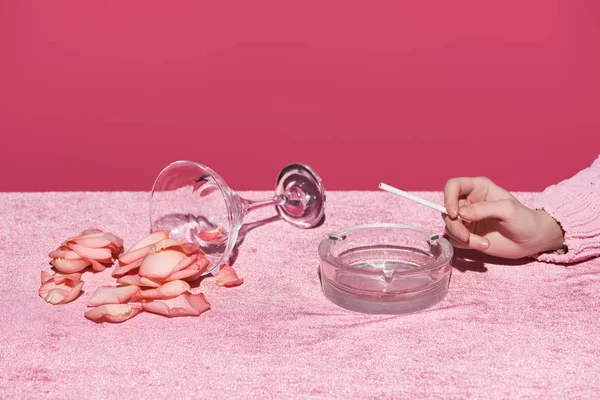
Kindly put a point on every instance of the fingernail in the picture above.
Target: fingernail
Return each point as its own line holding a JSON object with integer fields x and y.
{"x": 484, "y": 244}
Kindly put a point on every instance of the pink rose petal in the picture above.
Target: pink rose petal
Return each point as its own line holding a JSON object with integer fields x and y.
{"x": 191, "y": 248}
{"x": 185, "y": 263}
{"x": 165, "y": 244}
{"x": 207, "y": 236}
{"x": 182, "y": 305}
{"x": 191, "y": 273}
{"x": 112, "y": 295}
{"x": 135, "y": 255}
{"x": 64, "y": 252}
{"x": 166, "y": 290}
{"x": 160, "y": 265}
{"x": 69, "y": 266}
{"x": 185, "y": 275}
{"x": 173, "y": 288}
{"x": 58, "y": 277}
{"x": 202, "y": 263}
{"x": 60, "y": 291}
{"x": 97, "y": 266}
{"x": 90, "y": 231}
{"x": 113, "y": 312}
{"x": 92, "y": 241}
{"x": 228, "y": 277}
{"x": 87, "y": 252}
{"x": 117, "y": 241}
{"x": 138, "y": 281}
{"x": 98, "y": 239}
{"x": 185, "y": 247}
{"x": 122, "y": 269}
{"x": 150, "y": 239}
{"x": 46, "y": 276}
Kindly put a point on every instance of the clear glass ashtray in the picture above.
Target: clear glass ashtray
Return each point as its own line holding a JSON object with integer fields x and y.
{"x": 385, "y": 268}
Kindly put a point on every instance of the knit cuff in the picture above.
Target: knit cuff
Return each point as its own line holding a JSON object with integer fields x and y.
{"x": 575, "y": 205}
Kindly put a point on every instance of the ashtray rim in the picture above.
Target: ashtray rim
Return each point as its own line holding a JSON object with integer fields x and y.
{"x": 327, "y": 243}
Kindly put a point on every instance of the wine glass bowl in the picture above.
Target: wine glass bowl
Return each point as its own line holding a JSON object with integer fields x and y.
{"x": 194, "y": 204}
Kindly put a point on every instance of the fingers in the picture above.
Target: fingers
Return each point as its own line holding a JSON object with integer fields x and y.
{"x": 456, "y": 229}
{"x": 476, "y": 190}
{"x": 474, "y": 241}
{"x": 454, "y": 189}
{"x": 473, "y": 200}
{"x": 503, "y": 210}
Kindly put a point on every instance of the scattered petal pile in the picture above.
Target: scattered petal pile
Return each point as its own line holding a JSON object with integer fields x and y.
{"x": 91, "y": 247}
{"x": 157, "y": 259}
{"x": 152, "y": 276}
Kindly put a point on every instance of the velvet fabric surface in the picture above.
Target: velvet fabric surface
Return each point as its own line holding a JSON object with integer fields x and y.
{"x": 506, "y": 329}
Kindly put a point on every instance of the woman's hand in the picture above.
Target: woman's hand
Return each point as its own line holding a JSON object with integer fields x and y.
{"x": 485, "y": 217}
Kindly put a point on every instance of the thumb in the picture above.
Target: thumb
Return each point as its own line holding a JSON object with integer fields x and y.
{"x": 500, "y": 209}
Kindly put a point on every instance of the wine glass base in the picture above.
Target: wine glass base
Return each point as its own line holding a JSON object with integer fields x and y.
{"x": 304, "y": 195}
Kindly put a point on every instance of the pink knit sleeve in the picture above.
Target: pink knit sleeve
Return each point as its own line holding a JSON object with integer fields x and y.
{"x": 575, "y": 204}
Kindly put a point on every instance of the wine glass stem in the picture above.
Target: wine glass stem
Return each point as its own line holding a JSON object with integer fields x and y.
{"x": 252, "y": 204}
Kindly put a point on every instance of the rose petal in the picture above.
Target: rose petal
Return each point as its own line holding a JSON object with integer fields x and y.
{"x": 113, "y": 312}
{"x": 167, "y": 290}
{"x": 150, "y": 239}
{"x": 90, "y": 232}
{"x": 58, "y": 277}
{"x": 185, "y": 263}
{"x": 86, "y": 252}
{"x": 186, "y": 247}
{"x": 63, "y": 252}
{"x": 160, "y": 265}
{"x": 138, "y": 281}
{"x": 46, "y": 276}
{"x": 135, "y": 255}
{"x": 94, "y": 242}
{"x": 69, "y": 266}
{"x": 112, "y": 295}
{"x": 228, "y": 277}
{"x": 84, "y": 234}
{"x": 182, "y": 305}
{"x": 165, "y": 244}
{"x": 122, "y": 269}
{"x": 64, "y": 291}
{"x": 116, "y": 245}
{"x": 98, "y": 240}
{"x": 207, "y": 236}
{"x": 97, "y": 266}
{"x": 117, "y": 241}
{"x": 202, "y": 263}
{"x": 189, "y": 274}
{"x": 191, "y": 248}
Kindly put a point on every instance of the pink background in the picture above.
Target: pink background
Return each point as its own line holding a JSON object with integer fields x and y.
{"x": 101, "y": 96}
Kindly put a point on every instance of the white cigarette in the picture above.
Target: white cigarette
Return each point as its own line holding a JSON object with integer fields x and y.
{"x": 412, "y": 197}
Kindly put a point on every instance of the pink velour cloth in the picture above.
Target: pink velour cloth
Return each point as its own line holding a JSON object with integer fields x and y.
{"x": 506, "y": 329}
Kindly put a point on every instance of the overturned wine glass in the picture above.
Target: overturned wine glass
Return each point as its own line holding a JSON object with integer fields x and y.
{"x": 193, "y": 203}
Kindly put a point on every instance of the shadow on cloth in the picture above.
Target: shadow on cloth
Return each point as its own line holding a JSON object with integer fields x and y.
{"x": 471, "y": 260}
